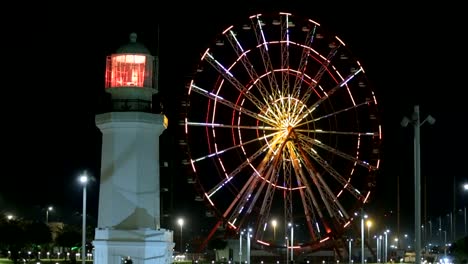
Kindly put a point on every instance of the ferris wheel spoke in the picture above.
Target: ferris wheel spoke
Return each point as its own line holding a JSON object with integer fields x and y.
{"x": 284, "y": 24}
{"x": 231, "y": 105}
{"x": 330, "y": 93}
{"x": 248, "y": 66}
{"x": 303, "y": 61}
{"x": 270, "y": 181}
{"x": 257, "y": 25}
{"x": 248, "y": 189}
{"x": 318, "y": 76}
{"x": 225, "y": 150}
{"x": 308, "y": 199}
{"x": 340, "y": 179}
{"x": 326, "y": 196}
{"x": 320, "y": 131}
{"x": 243, "y": 165}
{"x": 225, "y": 72}
{"x": 217, "y": 125}
{"x": 366, "y": 103}
{"x": 315, "y": 142}
{"x": 331, "y": 202}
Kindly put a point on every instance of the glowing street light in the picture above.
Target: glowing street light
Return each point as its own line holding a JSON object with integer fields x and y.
{"x": 274, "y": 223}
{"x": 240, "y": 246}
{"x": 84, "y": 181}
{"x": 465, "y": 188}
{"x": 50, "y": 208}
{"x": 350, "y": 241}
{"x": 180, "y": 221}
{"x": 369, "y": 224}
{"x": 363, "y": 216}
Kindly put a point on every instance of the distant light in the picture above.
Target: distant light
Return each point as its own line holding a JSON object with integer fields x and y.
{"x": 84, "y": 179}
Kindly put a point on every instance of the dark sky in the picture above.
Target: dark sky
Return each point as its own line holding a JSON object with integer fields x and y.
{"x": 55, "y": 71}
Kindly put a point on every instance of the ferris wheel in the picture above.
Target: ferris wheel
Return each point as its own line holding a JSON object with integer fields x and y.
{"x": 281, "y": 131}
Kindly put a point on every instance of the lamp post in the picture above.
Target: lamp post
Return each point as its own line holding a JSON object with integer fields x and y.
{"x": 180, "y": 221}
{"x": 369, "y": 224}
{"x": 274, "y": 223}
{"x": 362, "y": 236}
{"x": 240, "y": 246}
{"x": 415, "y": 121}
{"x": 248, "y": 245}
{"x": 50, "y": 208}
{"x": 465, "y": 187}
{"x": 350, "y": 241}
{"x": 292, "y": 242}
{"x": 84, "y": 181}
{"x": 379, "y": 247}
{"x": 445, "y": 244}
{"x": 386, "y": 246}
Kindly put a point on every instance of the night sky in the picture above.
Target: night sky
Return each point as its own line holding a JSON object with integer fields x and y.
{"x": 55, "y": 84}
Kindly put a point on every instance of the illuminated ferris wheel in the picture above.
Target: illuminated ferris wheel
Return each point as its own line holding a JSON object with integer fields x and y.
{"x": 281, "y": 127}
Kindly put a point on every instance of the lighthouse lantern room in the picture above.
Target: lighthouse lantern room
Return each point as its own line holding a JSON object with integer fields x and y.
{"x": 131, "y": 77}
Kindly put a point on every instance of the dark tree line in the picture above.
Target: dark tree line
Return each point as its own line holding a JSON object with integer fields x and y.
{"x": 18, "y": 237}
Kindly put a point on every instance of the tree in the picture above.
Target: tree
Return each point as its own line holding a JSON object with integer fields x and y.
{"x": 69, "y": 236}
{"x": 13, "y": 237}
{"x": 38, "y": 233}
{"x": 459, "y": 250}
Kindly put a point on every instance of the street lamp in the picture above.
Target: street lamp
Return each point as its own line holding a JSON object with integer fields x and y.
{"x": 379, "y": 248}
{"x": 50, "y": 208}
{"x": 386, "y": 246}
{"x": 274, "y": 223}
{"x": 369, "y": 224}
{"x": 465, "y": 187}
{"x": 415, "y": 121}
{"x": 445, "y": 244}
{"x": 180, "y": 221}
{"x": 362, "y": 236}
{"x": 84, "y": 181}
{"x": 248, "y": 244}
{"x": 240, "y": 246}
{"x": 292, "y": 242}
{"x": 350, "y": 241}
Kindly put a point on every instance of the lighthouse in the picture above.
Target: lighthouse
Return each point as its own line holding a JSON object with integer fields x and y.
{"x": 128, "y": 228}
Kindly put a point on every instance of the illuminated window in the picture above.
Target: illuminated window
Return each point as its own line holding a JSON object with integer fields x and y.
{"x": 129, "y": 70}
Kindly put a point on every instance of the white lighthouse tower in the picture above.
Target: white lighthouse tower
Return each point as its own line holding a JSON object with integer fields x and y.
{"x": 128, "y": 227}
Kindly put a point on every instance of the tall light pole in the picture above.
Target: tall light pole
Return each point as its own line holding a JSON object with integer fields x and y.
{"x": 465, "y": 188}
{"x": 386, "y": 246}
{"x": 84, "y": 182}
{"x": 445, "y": 244}
{"x": 350, "y": 241}
{"x": 180, "y": 221}
{"x": 50, "y": 208}
{"x": 379, "y": 248}
{"x": 240, "y": 246}
{"x": 274, "y": 223}
{"x": 362, "y": 236}
{"x": 415, "y": 121}
{"x": 292, "y": 242}
{"x": 248, "y": 244}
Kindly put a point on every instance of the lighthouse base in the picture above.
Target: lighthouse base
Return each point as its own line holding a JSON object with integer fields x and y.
{"x": 142, "y": 246}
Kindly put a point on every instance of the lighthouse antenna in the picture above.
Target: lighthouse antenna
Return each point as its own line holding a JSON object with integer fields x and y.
{"x": 156, "y": 86}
